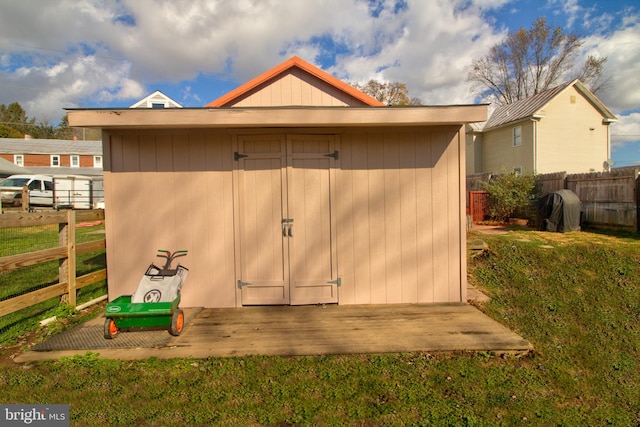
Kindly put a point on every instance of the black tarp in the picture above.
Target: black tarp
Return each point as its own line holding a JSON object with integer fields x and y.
{"x": 559, "y": 211}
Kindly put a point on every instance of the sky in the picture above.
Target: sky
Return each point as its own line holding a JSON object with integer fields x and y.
{"x": 57, "y": 54}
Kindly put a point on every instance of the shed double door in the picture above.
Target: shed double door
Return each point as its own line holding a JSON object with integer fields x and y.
{"x": 286, "y": 231}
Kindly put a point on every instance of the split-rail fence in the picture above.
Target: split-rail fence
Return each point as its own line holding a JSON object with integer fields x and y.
{"x": 65, "y": 252}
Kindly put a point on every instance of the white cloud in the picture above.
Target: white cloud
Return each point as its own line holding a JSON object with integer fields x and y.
{"x": 429, "y": 48}
{"x": 44, "y": 91}
{"x": 622, "y": 49}
{"x": 625, "y": 140}
{"x": 626, "y": 130}
{"x": 56, "y": 70}
{"x": 65, "y": 53}
{"x": 136, "y": 42}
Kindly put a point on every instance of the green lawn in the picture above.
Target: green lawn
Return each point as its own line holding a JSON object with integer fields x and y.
{"x": 14, "y": 241}
{"x": 575, "y": 296}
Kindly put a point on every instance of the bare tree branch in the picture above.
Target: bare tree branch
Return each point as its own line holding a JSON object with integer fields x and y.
{"x": 530, "y": 61}
{"x": 391, "y": 93}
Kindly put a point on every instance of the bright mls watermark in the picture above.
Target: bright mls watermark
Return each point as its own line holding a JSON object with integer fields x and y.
{"x": 34, "y": 415}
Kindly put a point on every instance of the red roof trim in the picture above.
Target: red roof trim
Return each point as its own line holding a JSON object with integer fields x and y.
{"x": 294, "y": 61}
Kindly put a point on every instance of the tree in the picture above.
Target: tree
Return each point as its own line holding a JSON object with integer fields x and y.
{"x": 43, "y": 130}
{"x": 16, "y": 118}
{"x": 64, "y": 131}
{"x": 9, "y": 132}
{"x": 530, "y": 61}
{"x": 389, "y": 93}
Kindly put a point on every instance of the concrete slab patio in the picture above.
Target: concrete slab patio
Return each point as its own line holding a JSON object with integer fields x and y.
{"x": 301, "y": 330}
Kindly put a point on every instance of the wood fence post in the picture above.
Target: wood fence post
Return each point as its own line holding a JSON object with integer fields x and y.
{"x": 67, "y": 266}
{"x": 25, "y": 198}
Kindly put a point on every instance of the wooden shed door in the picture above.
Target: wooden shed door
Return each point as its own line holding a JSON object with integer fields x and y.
{"x": 286, "y": 229}
{"x": 262, "y": 204}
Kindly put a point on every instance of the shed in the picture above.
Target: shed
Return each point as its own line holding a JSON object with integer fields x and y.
{"x": 559, "y": 211}
{"x": 295, "y": 188}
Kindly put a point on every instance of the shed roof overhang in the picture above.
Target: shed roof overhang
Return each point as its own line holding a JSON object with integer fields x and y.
{"x": 264, "y": 117}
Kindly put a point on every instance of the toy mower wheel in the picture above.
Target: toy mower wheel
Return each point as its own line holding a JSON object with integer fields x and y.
{"x": 177, "y": 323}
{"x": 110, "y": 328}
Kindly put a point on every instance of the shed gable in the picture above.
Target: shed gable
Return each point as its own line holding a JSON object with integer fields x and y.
{"x": 295, "y": 82}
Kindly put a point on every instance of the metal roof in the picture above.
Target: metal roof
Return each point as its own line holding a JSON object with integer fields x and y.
{"x": 522, "y": 108}
{"x": 528, "y": 107}
{"x": 49, "y": 146}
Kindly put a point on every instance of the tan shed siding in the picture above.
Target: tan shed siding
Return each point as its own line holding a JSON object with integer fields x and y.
{"x": 567, "y": 142}
{"x": 498, "y": 151}
{"x": 398, "y": 212}
{"x": 399, "y": 216}
{"x": 297, "y": 88}
{"x": 171, "y": 191}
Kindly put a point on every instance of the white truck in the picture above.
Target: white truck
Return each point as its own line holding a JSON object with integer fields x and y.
{"x": 40, "y": 190}
{"x": 58, "y": 191}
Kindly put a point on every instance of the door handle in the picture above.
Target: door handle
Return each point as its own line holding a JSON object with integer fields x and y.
{"x": 286, "y": 227}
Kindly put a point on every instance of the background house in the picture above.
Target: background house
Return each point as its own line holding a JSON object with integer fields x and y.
{"x": 565, "y": 128}
{"x": 54, "y": 156}
{"x": 61, "y": 156}
{"x": 156, "y": 100}
{"x": 294, "y": 188}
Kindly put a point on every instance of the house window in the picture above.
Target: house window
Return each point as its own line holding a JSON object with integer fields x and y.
{"x": 158, "y": 105}
{"x": 97, "y": 161}
{"x": 18, "y": 160}
{"x": 75, "y": 161}
{"x": 55, "y": 160}
{"x": 517, "y": 136}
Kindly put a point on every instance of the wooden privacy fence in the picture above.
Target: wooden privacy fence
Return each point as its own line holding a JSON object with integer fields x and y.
{"x": 609, "y": 199}
{"x": 66, "y": 253}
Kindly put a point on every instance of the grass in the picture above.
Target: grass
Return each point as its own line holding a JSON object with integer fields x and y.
{"x": 575, "y": 296}
{"x": 23, "y": 280}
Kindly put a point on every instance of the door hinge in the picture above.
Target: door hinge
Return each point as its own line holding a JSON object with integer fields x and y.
{"x": 337, "y": 282}
{"x": 335, "y": 155}
{"x": 241, "y": 284}
{"x": 237, "y": 156}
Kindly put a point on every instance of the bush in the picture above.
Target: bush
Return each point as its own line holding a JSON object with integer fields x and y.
{"x": 509, "y": 192}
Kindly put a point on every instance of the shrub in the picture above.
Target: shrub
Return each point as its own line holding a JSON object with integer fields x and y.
{"x": 509, "y": 192}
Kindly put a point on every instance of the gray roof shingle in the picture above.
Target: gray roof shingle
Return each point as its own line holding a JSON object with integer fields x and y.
{"x": 49, "y": 146}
